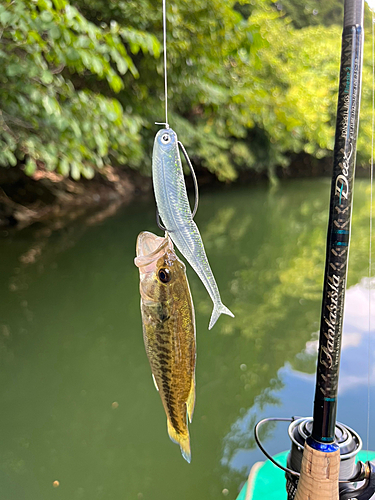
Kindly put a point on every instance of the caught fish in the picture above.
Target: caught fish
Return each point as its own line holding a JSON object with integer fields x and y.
{"x": 168, "y": 332}
{"x": 174, "y": 209}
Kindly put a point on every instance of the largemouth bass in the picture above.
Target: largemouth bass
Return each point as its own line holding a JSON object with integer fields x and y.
{"x": 174, "y": 209}
{"x": 168, "y": 332}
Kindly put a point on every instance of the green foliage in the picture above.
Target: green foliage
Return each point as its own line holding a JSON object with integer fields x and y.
{"x": 311, "y": 12}
{"x": 249, "y": 84}
{"x": 43, "y": 116}
{"x": 245, "y": 90}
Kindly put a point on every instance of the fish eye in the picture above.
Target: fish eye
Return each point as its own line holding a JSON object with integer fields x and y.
{"x": 165, "y": 138}
{"x": 164, "y": 275}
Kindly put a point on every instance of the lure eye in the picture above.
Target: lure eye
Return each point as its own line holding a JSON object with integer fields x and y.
{"x": 164, "y": 275}
{"x": 165, "y": 138}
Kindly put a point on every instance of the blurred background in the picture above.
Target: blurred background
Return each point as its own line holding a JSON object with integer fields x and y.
{"x": 252, "y": 96}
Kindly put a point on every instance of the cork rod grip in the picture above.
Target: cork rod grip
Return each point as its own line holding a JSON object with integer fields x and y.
{"x": 319, "y": 475}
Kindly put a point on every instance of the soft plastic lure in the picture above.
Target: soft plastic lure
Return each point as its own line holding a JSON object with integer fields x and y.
{"x": 174, "y": 209}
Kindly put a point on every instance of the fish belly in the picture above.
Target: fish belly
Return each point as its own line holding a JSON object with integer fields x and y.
{"x": 169, "y": 338}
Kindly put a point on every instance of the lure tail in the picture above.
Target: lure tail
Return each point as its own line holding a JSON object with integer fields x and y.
{"x": 219, "y": 309}
{"x": 182, "y": 439}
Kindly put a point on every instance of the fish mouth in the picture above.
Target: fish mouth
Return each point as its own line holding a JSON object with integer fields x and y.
{"x": 150, "y": 248}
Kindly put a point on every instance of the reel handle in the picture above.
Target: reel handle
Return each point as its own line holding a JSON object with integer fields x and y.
{"x": 366, "y": 491}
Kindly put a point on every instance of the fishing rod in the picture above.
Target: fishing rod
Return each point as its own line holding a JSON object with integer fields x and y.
{"x": 337, "y": 253}
{"x": 338, "y": 234}
{"x": 319, "y": 474}
{"x": 320, "y": 466}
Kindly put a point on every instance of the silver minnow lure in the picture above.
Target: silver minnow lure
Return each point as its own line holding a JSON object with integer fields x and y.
{"x": 174, "y": 209}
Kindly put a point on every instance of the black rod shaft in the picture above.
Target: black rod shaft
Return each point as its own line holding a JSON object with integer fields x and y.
{"x": 337, "y": 253}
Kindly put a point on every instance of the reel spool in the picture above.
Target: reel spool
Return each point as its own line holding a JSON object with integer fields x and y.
{"x": 348, "y": 440}
{"x": 356, "y": 479}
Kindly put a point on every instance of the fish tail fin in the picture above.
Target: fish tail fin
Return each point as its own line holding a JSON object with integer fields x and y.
{"x": 190, "y": 403}
{"x": 219, "y": 309}
{"x": 182, "y": 439}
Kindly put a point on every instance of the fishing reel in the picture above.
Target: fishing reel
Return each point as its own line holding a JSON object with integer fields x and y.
{"x": 356, "y": 479}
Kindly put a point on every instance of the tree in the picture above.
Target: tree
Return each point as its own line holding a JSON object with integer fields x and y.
{"x": 309, "y": 12}
{"x": 83, "y": 85}
{"x": 43, "y": 116}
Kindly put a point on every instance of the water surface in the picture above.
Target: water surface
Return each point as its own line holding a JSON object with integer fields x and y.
{"x": 78, "y": 402}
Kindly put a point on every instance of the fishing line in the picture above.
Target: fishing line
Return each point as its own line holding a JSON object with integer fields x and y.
{"x": 196, "y": 189}
{"x": 370, "y": 230}
{"x": 165, "y": 62}
{"x": 194, "y": 178}
{"x": 158, "y": 222}
{"x": 165, "y": 65}
{"x": 166, "y": 123}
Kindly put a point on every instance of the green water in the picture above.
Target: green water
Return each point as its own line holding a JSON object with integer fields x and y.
{"x": 78, "y": 404}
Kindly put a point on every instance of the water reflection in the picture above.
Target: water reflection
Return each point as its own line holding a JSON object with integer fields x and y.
{"x": 79, "y": 405}
{"x": 357, "y": 348}
{"x": 286, "y": 395}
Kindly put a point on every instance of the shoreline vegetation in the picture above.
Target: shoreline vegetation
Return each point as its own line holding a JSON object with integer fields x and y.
{"x": 49, "y": 197}
{"x": 82, "y": 85}
{"x": 52, "y": 199}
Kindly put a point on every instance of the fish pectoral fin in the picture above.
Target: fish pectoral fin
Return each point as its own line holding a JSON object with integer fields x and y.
{"x": 181, "y": 439}
{"x": 155, "y": 384}
{"x": 190, "y": 403}
{"x": 163, "y": 313}
{"x": 163, "y": 319}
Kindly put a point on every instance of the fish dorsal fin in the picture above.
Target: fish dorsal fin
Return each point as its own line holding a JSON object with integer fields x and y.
{"x": 155, "y": 384}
